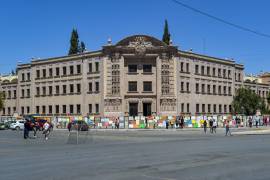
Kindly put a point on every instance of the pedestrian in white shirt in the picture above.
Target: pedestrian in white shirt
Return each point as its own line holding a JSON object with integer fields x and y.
{"x": 46, "y": 130}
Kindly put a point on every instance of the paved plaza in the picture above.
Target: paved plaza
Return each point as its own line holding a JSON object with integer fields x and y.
{"x": 136, "y": 154}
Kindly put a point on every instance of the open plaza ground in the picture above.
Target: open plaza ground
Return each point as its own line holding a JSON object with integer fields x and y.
{"x": 136, "y": 154}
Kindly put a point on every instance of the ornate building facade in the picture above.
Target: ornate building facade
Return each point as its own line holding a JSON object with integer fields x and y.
{"x": 140, "y": 75}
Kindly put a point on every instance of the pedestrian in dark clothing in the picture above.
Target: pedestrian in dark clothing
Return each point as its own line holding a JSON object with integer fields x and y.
{"x": 211, "y": 126}
{"x": 257, "y": 123}
{"x": 26, "y": 129}
{"x": 69, "y": 126}
{"x": 182, "y": 122}
{"x": 167, "y": 124}
{"x": 250, "y": 122}
{"x": 205, "y": 126}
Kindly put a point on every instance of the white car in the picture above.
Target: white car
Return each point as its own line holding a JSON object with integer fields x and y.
{"x": 18, "y": 125}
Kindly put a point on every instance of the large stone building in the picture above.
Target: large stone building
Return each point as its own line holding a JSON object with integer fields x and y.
{"x": 140, "y": 75}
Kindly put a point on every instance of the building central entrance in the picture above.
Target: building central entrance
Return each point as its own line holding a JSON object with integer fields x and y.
{"x": 133, "y": 109}
{"x": 147, "y": 110}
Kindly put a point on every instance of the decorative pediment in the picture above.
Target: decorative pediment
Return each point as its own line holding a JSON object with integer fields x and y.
{"x": 141, "y": 40}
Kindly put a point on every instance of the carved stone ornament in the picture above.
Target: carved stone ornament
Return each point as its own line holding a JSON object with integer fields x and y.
{"x": 140, "y": 44}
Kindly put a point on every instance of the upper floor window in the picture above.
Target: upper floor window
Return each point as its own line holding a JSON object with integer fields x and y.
{"x": 90, "y": 67}
{"x": 64, "y": 89}
{"x": 132, "y": 86}
{"x": 28, "y": 76}
{"x": 197, "y": 87}
{"x": 97, "y": 66}
{"x": 132, "y": 68}
{"x": 147, "y": 68}
{"x": 224, "y": 73}
{"x": 71, "y": 70}
{"x": 78, "y": 88}
{"x": 57, "y": 71}
{"x": 97, "y": 86}
{"x": 229, "y": 73}
{"x": 219, "y": 72}
{"x": 214, "y": 72}
{"x": 71, "y": 88}
{"x": 182, "y": 67}
{"x": 78, "y": 69}
{"x": 196, "y": 69}
{"x": 44, "y": 73}
{"x": 23, "y": 79}
{"x": 64, "y": 70}
{"x": 187, "y": 67}
{"x": 202, "y": 70}
{"x": 208, "y": 71}
{"x": 38, "y": 73}
{"x": 50, "y": 72}
{"x": 147, "y": 86}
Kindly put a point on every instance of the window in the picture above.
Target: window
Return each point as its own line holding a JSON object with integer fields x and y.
{"x": 57, "y": 89}
{"x": 22, "y": 92}
{"x": 71, "y": 88}
{"x": 78, "y": 88}
{"x": 229, "y": 74}
{"x": 229, "y": 90}
{"x": 225, "y": 90}
{"x": 50, "y": 109}
{"x": 43, "y": 73}
{"x": 182, "y": 107}
{"x": 225, "y": 108}
{"x": 214, "y": 89}
{"x": 28, "y": 92}
{"x": 90, "y": 110}
{"x": 196, "y": 69}
{"x": 71, "y": 70}
{"x": 147, "y": 68}
{"x": 208, "y": 71}
{"x": 64, "y": 70}
{"x": 219, "y": 72}
{"x": 132, "y": 68}
{"x": 28, "y": 76}
{"x": 97, "y": 108}
{"x": 182, "y": 86}
{"x": 197, "y": 87}
{"x": 214, "y": 72}
{"x": 37, "y": 109}
{"x": 14, "y": 109}
{"x": 187, "y": 85}
{"x": 90, "y": 86}
{"x": 209, "y": 108}
{"x": 64, "y": 109}
{"x": 182, "y": 67}
{"x": 224, "y": 73}
{"x": 57, "y": 71}
{"x": 37, "y": 91}
{"x": 22, "y": 110}
{"x": 78, "y": 69}
{"x": 197, "y": 108}
{"x": 208, "y": 89}
{"x": 57, "y": 109}
{"x": 239, "y": 77}
{"x": 203, "y": 88}
{"x": 215, "y": 108}
{"x": 38, "y": 74}
{"x": 50, "y": 72}
{"x": 97, "y": 66}
{"x": 23, "y": 79}
{"x": 187, "y": 107}
{"x": 203, "y": 108}
{"x": 219, "y": 108}
{"x": 78, "y": 109}
{"x": 43, "y": 109}
{"x": 90, "y": 68}
{"x": 97, "y": 86}
{"x": 132, "y": 86}
{"x": 50, "y": 90}
{"x": 4, "y": 111}
{"x": 14, "y": 94}
{"x": 147, "y": 86}
{"x": 71, "y": 109}
{"x": 230, "y": 108}
{"x": 219, "y": 90}
{"x": 187, "y": 67}
{"x": 202, "y": 70}
{"x": 64, "y": 89}
{"x": 9, "y": 94}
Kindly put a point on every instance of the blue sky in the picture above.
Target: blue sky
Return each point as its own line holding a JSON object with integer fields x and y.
{"x": 41, "y": 28}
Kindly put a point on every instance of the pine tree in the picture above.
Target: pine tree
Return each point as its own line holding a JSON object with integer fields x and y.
{"x": 166, "y": 34}
{"x": 74, "y": 43}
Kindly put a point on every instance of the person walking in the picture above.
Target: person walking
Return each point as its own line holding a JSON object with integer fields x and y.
{"x": 182, "y": 122}
{"x": 205, "y": 126}
{"x": 69, "y": 126}
{"x": 214, "y": 126}
{"x": 227, "y": 128}
{"x": 250, "y": 122}
{"x": 26, "y": 129}
{"x": 46, "y": 130}
{"x": 211, "y": 125}
{"x": 167, "y": 124}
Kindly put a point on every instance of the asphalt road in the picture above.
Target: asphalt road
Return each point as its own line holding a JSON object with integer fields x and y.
{"x": 134, "y": 155}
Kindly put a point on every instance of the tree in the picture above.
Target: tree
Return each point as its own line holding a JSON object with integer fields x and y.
{"x": 248, "y": 102}
{"x": 74, "y": 42}
{"x": 1, "y": 101}
{"x": 82, "y": 47}
{"x": 166, "y": 34}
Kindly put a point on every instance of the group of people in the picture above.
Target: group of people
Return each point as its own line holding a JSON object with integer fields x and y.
{"x": 35, "y": 126}
{"x": 213, "y": 126}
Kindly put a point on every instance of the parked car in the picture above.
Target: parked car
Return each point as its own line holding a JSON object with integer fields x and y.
{"x": 18, "y": 125}
{"x": 79, "y": 125}
{"x": 8, "y": 123}
{"x": 3, "y": 126}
